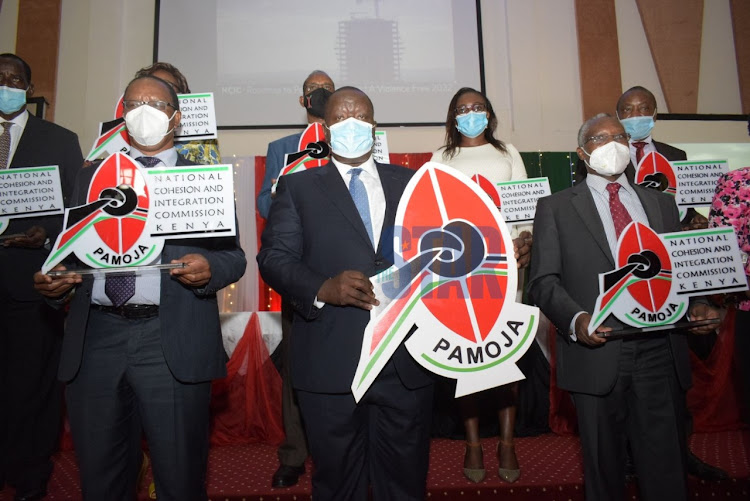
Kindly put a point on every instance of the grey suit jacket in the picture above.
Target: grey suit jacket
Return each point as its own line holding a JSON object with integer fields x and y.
{"x": 570, "y": 251}
{"x": 190, "y": 330}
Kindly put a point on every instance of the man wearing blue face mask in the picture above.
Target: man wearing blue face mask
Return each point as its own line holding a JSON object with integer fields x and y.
{"x": 30, "y": 331}
{"x": 636, "y": 110}
{"x": 292, "y": 453}
{"x": 327, "y": 233}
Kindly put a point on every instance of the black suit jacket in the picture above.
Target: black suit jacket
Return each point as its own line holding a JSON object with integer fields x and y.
{"x": 42, "y": 143}
{"x": 315, "y": 232}
{"x": 190, "y": 330}
{"x": 670, "y": 152}
{"x": 570, "y": 251}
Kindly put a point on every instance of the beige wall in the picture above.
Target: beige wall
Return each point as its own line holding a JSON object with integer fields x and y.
{"x": 531, "y": 67}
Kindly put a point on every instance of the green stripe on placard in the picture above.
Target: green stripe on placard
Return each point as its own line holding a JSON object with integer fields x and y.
{"x": 181, "y": 171}
{"x": 29, "y": 169}
{"x": 707, "y": 162}
{"x": 191, "y": 96}
{"x": 491, "y": 364}
{"x": 683, "y": 234}
{"x": 523, "y": 181}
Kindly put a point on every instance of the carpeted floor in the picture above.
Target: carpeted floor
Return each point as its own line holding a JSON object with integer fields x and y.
{"x": 551, "y": 469}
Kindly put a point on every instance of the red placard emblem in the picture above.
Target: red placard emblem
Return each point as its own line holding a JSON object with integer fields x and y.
{"x": 455, "y": 278}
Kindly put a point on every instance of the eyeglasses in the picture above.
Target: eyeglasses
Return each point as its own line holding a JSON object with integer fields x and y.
{"x": 466, "y": 108}
{"x": 313, "y": 87}
{"x": 129, "y": 104}
{"x": 605, "y": 138}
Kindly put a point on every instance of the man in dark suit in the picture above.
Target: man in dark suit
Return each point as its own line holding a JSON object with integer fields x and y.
{"x": 320, "y": 245}
{"x": 145, "y": 362}
{"x": 31, "y": 331}
{"x": 292, "y": 452}
{"x": 636, "y": 109}
{"x": 621, "y": 388}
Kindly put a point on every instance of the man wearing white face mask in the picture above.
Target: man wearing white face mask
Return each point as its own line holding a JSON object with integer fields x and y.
{"x": 140, "y": 351}
{"x": 327, "y": 233}
{"x": 630, "y": 388}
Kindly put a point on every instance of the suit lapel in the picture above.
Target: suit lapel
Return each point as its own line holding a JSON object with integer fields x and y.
{"x": 26, "y": 144}
{"x": 333, "y": 186}
{"x": 583, "y": 203}
{"x": 652, "y": 209}
{"x": 392, "y": 191}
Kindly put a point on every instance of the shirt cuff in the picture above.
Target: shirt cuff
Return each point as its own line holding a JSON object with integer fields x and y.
{"x": 318, "y": 304}
{"x": 572, "y": 330}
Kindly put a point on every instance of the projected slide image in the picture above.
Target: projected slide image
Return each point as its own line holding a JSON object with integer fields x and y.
{"x": 410, "y": 56}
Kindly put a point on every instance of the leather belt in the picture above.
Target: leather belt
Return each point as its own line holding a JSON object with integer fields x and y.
{"x": 131, "y": 311}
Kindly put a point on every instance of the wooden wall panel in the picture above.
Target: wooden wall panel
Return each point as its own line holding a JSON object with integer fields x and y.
{"x": 740, "y": 10}
{"x": 673, "y": 30}
{"x": 599, "y": 56}
{"x": 37, "y": 42}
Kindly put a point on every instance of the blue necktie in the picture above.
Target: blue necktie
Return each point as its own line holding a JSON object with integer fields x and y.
{"x": 121, "y": 287}
{"x": 359, "y": 195}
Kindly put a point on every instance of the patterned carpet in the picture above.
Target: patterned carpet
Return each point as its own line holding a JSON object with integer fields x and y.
{"x": 551, "y": 469}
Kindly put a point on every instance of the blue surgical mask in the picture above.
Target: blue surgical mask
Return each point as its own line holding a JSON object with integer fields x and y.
{"x": 351, "y": 138}
{"x": 11, "y": 99}
{"x": 472, "y": 124}
{"x": 638, "y": 127}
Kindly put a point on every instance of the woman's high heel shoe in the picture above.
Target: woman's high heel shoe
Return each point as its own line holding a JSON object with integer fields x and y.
{"x": 506, "y": 474}
{"x": 475, "y": 475}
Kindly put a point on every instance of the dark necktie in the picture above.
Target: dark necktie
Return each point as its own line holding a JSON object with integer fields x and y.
{"x": 639, "y": 145}
{"x": 5, "y": 144}
{"x": 620, "y": 215}
{"x": 149, "y": 162}
{"x": 121, "y": 287}
{"x": 359, "y": 195}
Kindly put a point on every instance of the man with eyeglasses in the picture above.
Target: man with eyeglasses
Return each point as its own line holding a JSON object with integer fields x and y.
{"x": 292, "y": 452}
{"x": 140, "y": 351}
{"x": 632, "y": 388}
{"x": 30, "y": 331}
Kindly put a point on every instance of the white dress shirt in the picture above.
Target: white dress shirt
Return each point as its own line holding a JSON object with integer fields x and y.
{"x": 19, "y": 125}
{"x": 649, "y": 148}
{"x": 375, "y": 195}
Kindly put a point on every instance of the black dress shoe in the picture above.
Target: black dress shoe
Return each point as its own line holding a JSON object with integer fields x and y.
{"x": 30, "y": 495}
{"x": 287, "y": 476}
{"x": 701, "y": 469}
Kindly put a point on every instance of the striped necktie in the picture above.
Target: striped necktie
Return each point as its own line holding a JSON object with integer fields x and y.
{"x": 5, "y": 145}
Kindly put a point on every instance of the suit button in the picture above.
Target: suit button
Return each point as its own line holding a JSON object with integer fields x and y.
{"x": 378, "y": 262}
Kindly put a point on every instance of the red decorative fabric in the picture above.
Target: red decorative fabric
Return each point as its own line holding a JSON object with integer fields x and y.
{"x": 268, "y": 299}
{"x": 411, "y": 160}
{"x": 246, "y": 405}
{"x": 713, "y": 398}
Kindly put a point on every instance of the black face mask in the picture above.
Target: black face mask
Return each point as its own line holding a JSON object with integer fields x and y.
{"x": 315, "y": 102}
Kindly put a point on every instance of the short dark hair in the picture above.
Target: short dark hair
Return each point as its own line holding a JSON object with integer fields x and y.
{"x": 26, "y": 67}
{"x": 636, "y": 88}
{"x": 350, "y": 88}
{"x": 175, "y": 102}
{"x": 312, "y": 74}
{"x": 584, "y": 130}
{"x": 453, "y": 136}
{"x": 182, "y": 84}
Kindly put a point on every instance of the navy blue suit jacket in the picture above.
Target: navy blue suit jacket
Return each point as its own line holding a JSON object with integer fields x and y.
{"x": 190, "y": 330}
{"x": 315, "y": 232}
{"x": 274, "y": 163}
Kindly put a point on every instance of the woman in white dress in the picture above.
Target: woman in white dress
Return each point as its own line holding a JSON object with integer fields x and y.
{"x": 471, "y": 147}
